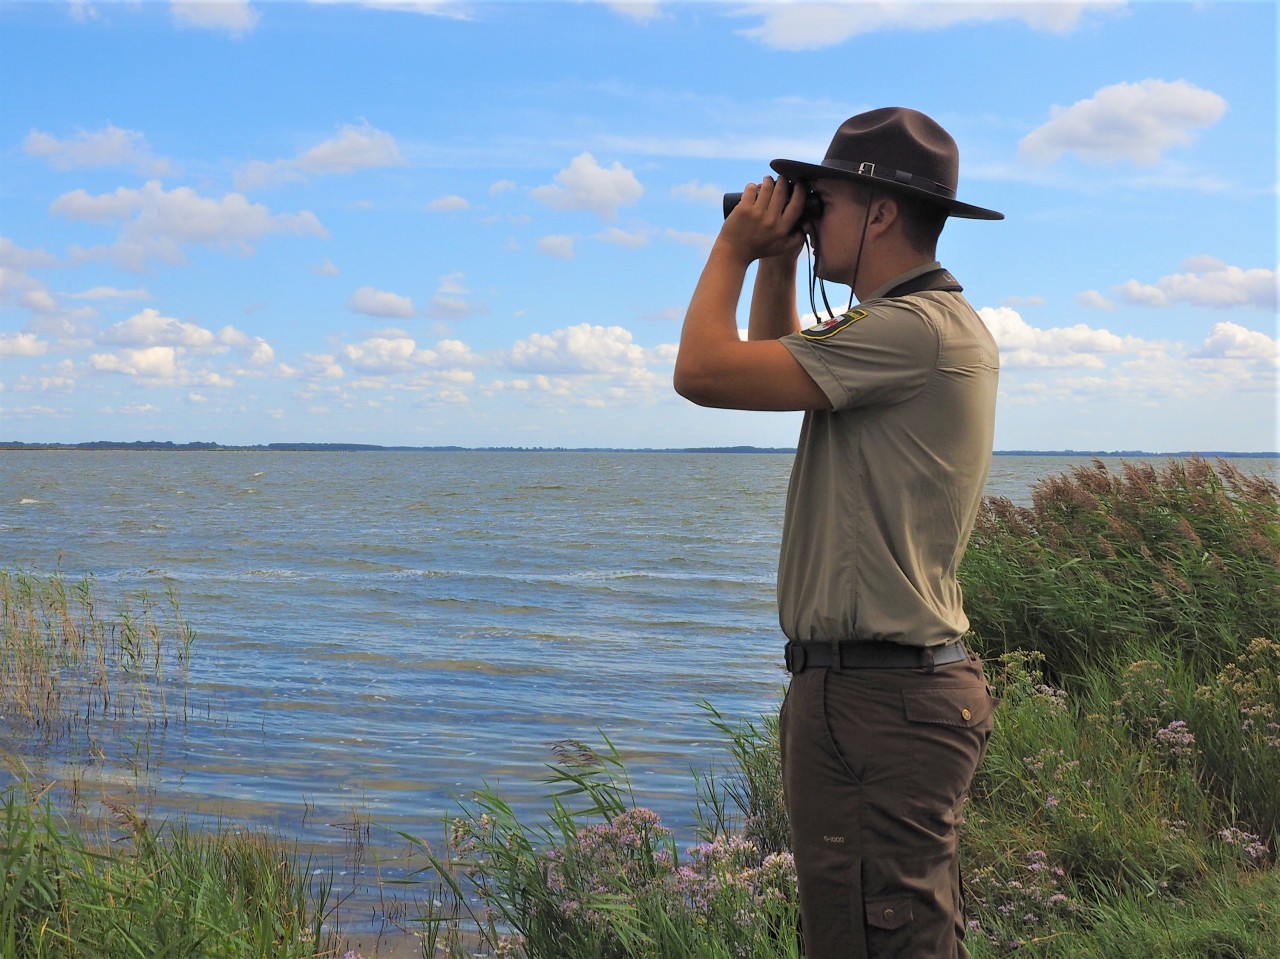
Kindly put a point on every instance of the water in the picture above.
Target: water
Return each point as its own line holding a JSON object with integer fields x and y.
{"x": 386, "y": 632}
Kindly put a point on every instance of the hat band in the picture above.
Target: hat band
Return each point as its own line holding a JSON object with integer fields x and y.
{"x": 894, "y": 176}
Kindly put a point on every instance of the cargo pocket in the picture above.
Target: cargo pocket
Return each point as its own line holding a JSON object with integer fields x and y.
{"x": 889, "y": 913}
{"x": 969, "y": 706}
{"x": 949, "y": 729}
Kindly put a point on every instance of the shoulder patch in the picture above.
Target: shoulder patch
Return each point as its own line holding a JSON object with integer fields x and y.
{"x": 833, "y": 326}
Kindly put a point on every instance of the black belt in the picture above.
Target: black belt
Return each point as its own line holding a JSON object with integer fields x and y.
{"x": 871, "y": 655}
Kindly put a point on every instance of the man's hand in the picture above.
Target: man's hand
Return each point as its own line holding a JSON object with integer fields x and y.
{"x": 714, "y": 366}
{"x": 766, "y": 222}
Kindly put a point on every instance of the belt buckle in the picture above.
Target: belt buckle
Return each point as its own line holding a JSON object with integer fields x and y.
{"x": 794, "y": 656}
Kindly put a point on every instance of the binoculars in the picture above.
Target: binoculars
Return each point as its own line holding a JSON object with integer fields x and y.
{"x": 812, "y": 204}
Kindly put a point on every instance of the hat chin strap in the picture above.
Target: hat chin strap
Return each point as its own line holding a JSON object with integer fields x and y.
{"x": 857, "y": 265}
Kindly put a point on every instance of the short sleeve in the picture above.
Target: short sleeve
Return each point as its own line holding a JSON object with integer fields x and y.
{"x": 881, "y": 355}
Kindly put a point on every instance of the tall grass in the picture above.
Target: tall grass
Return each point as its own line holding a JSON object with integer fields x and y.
{"x": 1183, "y": 560}
{"x": 137, "y": 891}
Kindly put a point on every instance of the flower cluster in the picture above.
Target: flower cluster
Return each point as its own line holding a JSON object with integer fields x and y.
{"x": 1012, "y": 909}
{"x": 1145, "y": 700}
{"x": 1176, "y": 742}
{"x": 1252, "y": 846}
{"x": 1251, "y": 685}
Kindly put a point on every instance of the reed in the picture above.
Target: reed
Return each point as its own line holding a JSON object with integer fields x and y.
{"x": 1183, "y": 559}
{"x": 71, "y": 892}
{"x": 70, "y": 671}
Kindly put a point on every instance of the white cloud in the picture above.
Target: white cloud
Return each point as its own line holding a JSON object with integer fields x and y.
{"x": 452, "y": 299}
{"x": 641, "y": 11}
{"x": 1232, "y": 341}
{"x": 109, "y": 147}
{"x": 155, "y": 363}
{"x": 254, "y": 349}
{"x": 386, "y": 355}
{"x": 448, "y": 204}
{"x": 373, "y": 302}
{"x": 22, "y": 344}
{"x": 811, "y": 26}
{"x": 109, "y": 293}
{"x": 1126, "y": 121}
{"x": 158, "y": 223}
{"x": 628, "y": 238}
{"x": 355, "y": 148}
{"x": 1093, "y": 300}
{"x": 19, "y": 258}
{"x": 236, "y": 17}
{"x": 585, "y": 185}
{"x": 326, "y": 268}
{"x": 559, "y": 246}
{"x": 1023, "y": 345}
{"x": 502, "y": 186}
{"x": 579, "y": 349}
{"x": 149, "y": 328}
{"x": 453, "y": 9}
{"x": 1208, "y": 282}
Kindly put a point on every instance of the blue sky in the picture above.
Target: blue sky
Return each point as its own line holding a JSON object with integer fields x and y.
{"x": 480, "y": 223}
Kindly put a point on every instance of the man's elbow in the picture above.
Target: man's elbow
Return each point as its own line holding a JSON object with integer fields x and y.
{"x": 692, "y": 383}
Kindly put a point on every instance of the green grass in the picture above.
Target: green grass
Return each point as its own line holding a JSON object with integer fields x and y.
{"x": 74, "y": 892}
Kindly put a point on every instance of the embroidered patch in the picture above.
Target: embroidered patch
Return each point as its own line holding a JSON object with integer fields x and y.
{"x": 833, "y": 326}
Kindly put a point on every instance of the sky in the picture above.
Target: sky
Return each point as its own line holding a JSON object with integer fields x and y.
{"x": 479, "y": 223}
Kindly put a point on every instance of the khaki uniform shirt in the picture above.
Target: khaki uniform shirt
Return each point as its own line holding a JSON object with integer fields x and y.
{"x": 886, "y": 485}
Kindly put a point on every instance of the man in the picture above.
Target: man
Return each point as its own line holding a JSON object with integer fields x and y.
{"x": 887, "y": 714}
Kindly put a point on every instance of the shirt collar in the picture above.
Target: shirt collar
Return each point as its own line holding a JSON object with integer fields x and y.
{"x": 904, "y": 277}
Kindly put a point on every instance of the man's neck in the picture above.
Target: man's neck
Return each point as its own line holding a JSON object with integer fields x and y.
{"x": 876, "y": 274}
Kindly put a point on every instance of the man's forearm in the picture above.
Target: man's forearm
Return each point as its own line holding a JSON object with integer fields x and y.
{"x": 773, "y": 300}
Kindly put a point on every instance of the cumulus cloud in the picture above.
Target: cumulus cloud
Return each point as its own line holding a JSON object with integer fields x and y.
{"x": 1126, "y": 121}
{"x": 22, "y": 344}
{"x": 109, "y": 147}
{"x": 235, "y": 17}
{"x": 18, "y": 258}
{"x": 385, "y": 355}
{"x": 1232, "y": 341}
{"x": 559, "y": 246}
{"x": 355, "y": 148}
{"x": 502, "y": 186}
{"x": 578, "y": 349}
{"x": 628, "y": 238}
{"x": 811, "y": 26}
{"x": 255, "y": 350}
{"x": 1207, "y": 282}
{"x": 149, "y": 328}
{"x": 452, "y": 299}
{"x": 326, "y": 268}
{"x": 1023, "y": 345}
{"x": 159, "y": 222}
{"x": 1093, "y": 300}
{"x": 373, "y": 302}
{"x": 448, "y": 204}
{"x": 585, "y": 185}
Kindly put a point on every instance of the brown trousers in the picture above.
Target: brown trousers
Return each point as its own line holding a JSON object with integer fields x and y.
{"x": 876, "y": 769}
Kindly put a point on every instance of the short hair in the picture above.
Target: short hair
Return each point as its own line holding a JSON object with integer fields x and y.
{"x": 922, "y": 221}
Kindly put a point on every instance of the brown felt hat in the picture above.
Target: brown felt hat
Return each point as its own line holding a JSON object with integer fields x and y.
{"x": 898, "y": 149}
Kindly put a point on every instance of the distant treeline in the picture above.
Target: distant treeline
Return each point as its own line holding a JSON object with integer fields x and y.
{"x": 170, "y": 446}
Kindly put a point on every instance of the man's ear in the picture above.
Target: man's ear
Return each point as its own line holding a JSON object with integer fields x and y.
{"x": 884, "y": 212}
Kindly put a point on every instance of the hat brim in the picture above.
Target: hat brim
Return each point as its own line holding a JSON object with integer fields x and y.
{"x": 796, "y": 170}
